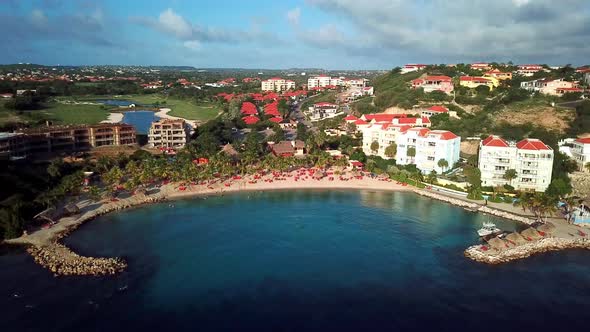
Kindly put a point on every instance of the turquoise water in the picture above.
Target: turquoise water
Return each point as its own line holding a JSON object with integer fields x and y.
{"x": 140, "y": 119}
{"x": 297, "y": 261}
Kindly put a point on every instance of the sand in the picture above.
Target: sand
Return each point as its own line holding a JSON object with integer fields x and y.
{"x": 114, "y": 118}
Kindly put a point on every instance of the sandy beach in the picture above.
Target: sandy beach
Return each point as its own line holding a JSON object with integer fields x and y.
{"x": 114, "y": 118}
{"x": 163, "y": 113}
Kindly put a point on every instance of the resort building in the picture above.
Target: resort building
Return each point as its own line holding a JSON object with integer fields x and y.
{"x": 52, "y": 139}
{"x": 581, "y": 153}
{"x": 322, "y": 110}
{"x": 287, "y": 148}
{"x": 551, "y": 87}
{"x": 434, "y": 83}
{"x": 168, "y": 133}
{"x": 474, "y": 81}
{"x": 277, "y": 84}
{"x": 530, "y": 158}
{"x": 425, "y": 148}
{"x": 499, "y": 75}
{"x": 12, "y": 146}
{"x": 480, "y": 66}
{"x": 412, "y": 67}
{"x": 324, "y": 81}
{"x": 383, "y": 129}
{"x": 528, "y": 70}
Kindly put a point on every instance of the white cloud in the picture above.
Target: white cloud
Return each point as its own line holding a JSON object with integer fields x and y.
{"x": 294, "y": 15}
{"x": 38, "y": 17}
{"x": 467, "y": 29}
{"x": 174, "y": 23}
{"x": 193, "y": 45}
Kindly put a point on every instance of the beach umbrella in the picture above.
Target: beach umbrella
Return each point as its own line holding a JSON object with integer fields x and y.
{"x": 516, "y": 238}
{"x": 497, "y": 243}
{"x": 530, "y": 233}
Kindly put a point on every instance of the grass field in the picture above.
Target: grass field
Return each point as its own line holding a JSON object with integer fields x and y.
{"x": 202, "y": 111}
{"x": 57, "y": 113}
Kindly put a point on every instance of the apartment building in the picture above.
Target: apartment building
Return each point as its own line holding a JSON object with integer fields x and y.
{"x": 581, "y": 153}
{"x": 434, "y": 83}
{"x": 434, "y": 110}
{"x": 480, "y": 66}
{"x": 531, "y": 158}
{"x": 547, "y": 86}
{"x": 277, "y": 84}
{"x": 168, "y": 133}
{"x": 473, "y": 82}
{"x": 12, "y": 146}
{"x": 528, "y": 70}
{"x": 429, "y": 147}
{"x": 412, "y": 67}
{"x": 52, "y": 139}
{"x": 384, "y": 129}
{"x": 323, "y": 81}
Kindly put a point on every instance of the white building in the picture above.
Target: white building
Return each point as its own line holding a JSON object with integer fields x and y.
{"x": 528, "y": 70}
{"x": 581, "y": 153}
{"x": 168, "y": 133}
{"x": 322, "y": 110}
{"x": 551, "y": 87}
{"x": 430, "y": 146}
{"x": 277, "y": 84}
{"x": 323, "y": 81}
{"x": 587, "y": 78}
{"x": 531, "y": 158}
{"x": 434, "y": 110}
{"x": 383, "y": 129}
{"x": 412, "y": 67}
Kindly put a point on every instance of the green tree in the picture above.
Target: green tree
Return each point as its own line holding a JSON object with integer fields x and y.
{"x": 443, "y": 163}
{"x": 391, "y": 150}
{"x": 473, "y": 175}
{"x": 431, "y": 178}
{"x": 374, "y": 146}
{"x": 411, "y": 152}
{"x": 587, "y": 166}
{"x": 301, "y": 132}
{"x": 510, "y": 175}
{"x": 54, "y": 168}
{"x": 12, "y": 223}
{"x": 558, "y": 188}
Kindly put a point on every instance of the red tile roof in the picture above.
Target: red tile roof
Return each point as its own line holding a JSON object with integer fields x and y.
{"x": 360, "y": 122}
{"x": 438, "y": 78}
{"x": 324, "y": 104}
{"x": 379, "y": 117}
{"x": 438, "y": 108}
{"x": 585, "y": 140}
{"x": 275, "y": 120}
{"x": 420, "y": 130}
{"x": 495, "y": 141}
{"x": 250, "y": 119}
{"x": 532, "y": 144}
{"x": 474, "y": 79}
{"x": 350, "y": 118}
{"x": 444, "y": 134}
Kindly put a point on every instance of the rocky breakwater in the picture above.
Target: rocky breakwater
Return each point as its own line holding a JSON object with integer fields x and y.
{"x": 60, "y": 260}
{"x": 474, "y": 206}
{"x": 494, "y": 256}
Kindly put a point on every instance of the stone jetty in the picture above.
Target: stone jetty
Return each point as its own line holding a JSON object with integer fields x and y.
{"x": 494, "y": 256}
{"x": 474, "y": 206}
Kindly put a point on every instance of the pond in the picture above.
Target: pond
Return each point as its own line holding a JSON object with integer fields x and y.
{"x": 140, "y": 119}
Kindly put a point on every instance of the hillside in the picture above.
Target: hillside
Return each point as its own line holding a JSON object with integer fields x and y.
{"x": 506, "y": 110}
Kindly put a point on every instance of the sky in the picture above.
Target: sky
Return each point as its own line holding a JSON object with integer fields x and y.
{"x": 281, "y": 34}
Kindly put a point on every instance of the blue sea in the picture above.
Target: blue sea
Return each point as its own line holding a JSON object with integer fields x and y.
{"x": 296, "y": 261}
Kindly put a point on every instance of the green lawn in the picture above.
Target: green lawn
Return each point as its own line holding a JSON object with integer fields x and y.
{"x": 201, "y": 111}
{"x": 67, "y": 114}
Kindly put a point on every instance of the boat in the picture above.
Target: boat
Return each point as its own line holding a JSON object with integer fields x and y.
{"x": 488, "y": 229}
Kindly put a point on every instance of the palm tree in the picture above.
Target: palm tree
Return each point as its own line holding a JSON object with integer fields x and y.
{"x": 587, "y": 166}
{"x": 510, "y": 175}
{"x": 443, "y": 163}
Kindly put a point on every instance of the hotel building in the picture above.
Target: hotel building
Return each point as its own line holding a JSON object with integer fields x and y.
{"x": 430, "y": 146}
{"x": 168, "y": 133}
{"x": 277, "y": 84}
{"x": 531, "y": 158}
{"x": 581, "y": 153}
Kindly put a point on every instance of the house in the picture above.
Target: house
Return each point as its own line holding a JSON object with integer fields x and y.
{"x": 480, "y": 66}
{"x": 429, "y": 147}
{"x": 287, "y": 148}
{"x": 530, "y": 158}
{"x": 249, "y": 108}
{"x": 322, "y": 110}
{"x": 550, "y": 87}
{"x": 528, "y": 70}
{"x": 412, "y": 67}
{"x": 251, "y": 119}
{"x": 277, "y": 84}
{"x": 499, "y": 75}
{"x": 368, "y": 91}
{"x": 581, "y": 153}
{"x": 587, "y": 78}
{"x": 324, "y": 81}
{"x": 169, "y": 133}
{"x": 474, "y": 81}
{"x": 434, "y": 83}
{"x": 434, "y": 110}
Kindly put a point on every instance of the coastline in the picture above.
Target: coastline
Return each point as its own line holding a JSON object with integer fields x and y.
{"x": 114, "y": 118}
{"x": 45, "y": 247}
